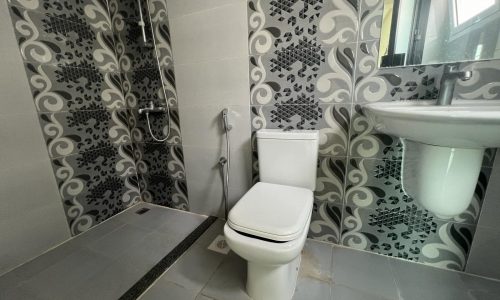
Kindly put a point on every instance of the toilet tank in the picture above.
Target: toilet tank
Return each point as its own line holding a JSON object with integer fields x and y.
{"x": 288, "y": 157}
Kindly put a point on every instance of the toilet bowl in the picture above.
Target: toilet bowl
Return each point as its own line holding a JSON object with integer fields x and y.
{"x": 268, "y": 226}
{"x": 271, "y": 239}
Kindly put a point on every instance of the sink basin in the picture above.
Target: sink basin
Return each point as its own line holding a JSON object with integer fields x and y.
{"x": 443, "y": 148}
{"x": 471, "y": 124}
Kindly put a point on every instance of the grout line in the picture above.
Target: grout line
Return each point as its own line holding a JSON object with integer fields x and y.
{"x": 113, "y": 146}
{"x": 391, "y": 258}
{"x": 207, "y": 10}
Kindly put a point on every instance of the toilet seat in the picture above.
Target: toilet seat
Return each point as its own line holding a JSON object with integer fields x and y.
{"x": 272, "y": 211}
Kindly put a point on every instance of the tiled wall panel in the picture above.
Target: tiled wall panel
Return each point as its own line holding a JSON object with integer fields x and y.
{"x": 160, "y": 165}
{"x": 69, "y": 53}
{"x": 313, "y": 64}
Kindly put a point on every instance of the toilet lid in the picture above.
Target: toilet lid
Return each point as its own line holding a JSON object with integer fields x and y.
{"x": 272, "y": 211}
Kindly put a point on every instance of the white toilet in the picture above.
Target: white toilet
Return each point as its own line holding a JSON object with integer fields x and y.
{"x": 269, "y": 224}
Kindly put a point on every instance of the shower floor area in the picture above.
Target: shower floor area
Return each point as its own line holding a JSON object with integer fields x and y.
{"x": 117, "y": 259}
{"x": 150, "y": 252}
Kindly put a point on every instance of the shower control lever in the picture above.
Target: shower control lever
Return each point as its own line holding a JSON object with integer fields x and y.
{"x": 151, "y": 108}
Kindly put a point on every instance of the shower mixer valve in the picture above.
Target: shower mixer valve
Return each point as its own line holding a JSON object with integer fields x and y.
{"x": 151, "y": 108}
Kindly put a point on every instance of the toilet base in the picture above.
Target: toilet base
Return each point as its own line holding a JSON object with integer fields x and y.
{"x": 267, "y": 282}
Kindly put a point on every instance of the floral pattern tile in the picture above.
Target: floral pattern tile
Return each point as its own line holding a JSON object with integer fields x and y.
{"x": 142, "y": 85}
{"x": 165, "y": 191}
{"x": 412, "y": 235}
{"x": 134, "y": 52}
{"x": 317, "y": 71}
{"x": 71, "y": 132}
{"x": 330, "y": 179}
{"x": 332, "y": 121}
{"x": 160, "y": 158}
{"x": 370, "y": 19}
{"x": 325, "y": 222}
{"x": 96, "y": 184}
{"x": 75, "y": 11}
{"x": 376, "y": 184}
{"x": 49, "y": 39}
{"x": 484, "y": 84}
{"x": 410, "y": 83}
{"x": 57, "y": 88}
{"x": 366, "y": 142}
{"x": 323, "y": 75}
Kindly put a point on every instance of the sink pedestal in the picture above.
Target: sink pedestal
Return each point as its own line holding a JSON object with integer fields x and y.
{"x": 442, "y": 179}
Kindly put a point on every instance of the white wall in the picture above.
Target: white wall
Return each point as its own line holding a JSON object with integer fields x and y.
{"x": 31, "y": 214}
{"x": 210, "y": 49}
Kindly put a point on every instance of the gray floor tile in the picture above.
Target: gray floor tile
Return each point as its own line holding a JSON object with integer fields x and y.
{"x": 119, "y": 241}
{"x": 228, "y": 282}
{"x": 311, "y": 289}
{"x": 208, "y": 236}
{"x": 481, "y": 288}
{"x": 60, "y": 279}
{"x": 366, "y": 272}
{"x": 182, "y": 223}
{"x": 97, "y": 231}
{"x": 203, "y": 297}
{"x": 166, "y": 290}
{"x": 416, "y": 281}
{"x": 17, "y": 294}
{"x": 316, "y": 261}
{"x": 40, "y": 263}
{"x": 152, "y": 219}
{"x": 194, "y": 268}
{"x": 146, "y": 254}
{"x": 340, "y": 292}
{"x": 110, "y": 283}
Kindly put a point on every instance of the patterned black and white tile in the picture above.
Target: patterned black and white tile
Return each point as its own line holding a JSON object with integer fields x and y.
{"x": 71, "y": 132}
{"x": 326, "y": 222}
{"x": 316, "y": 71}
{"x": 96, "y": 184}
{"x": 484, "y": 84}
{"x": 332, "y": 121}
{"x": 52, "y": 39}
{"x": 57, "y": 88}
{"x": 166, "y": 191}
{"x": 374, "y": 84}
{"x": 412, "y": 235}
{"x": 74, "y": 74}
{"x": 160, "y": 159}
{"x": 377, "y": 184}
{"x": 330, "y": 180}
{"x": 281, "y": 25}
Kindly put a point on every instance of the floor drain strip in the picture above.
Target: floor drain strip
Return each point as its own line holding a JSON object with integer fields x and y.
{"x": 147, "y": 280}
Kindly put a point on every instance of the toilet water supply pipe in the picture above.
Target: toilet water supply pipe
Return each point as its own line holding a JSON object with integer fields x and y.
{"x": 147, "y": 111}
{"x": 225, "y": 163}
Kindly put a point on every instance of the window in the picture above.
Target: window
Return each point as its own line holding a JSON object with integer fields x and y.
{"x": 465, "y": 10}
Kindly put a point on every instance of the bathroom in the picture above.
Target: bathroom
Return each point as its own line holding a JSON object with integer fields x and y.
{"x": 249, "y": 149}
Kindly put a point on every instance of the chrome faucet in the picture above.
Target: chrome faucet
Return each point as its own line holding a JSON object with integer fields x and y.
{"x": 450, "y": 76}
{"x": 151, "y": 108}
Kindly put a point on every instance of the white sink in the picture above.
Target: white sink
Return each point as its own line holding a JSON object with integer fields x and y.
{"x": 443, "y": 148}
{"x": 465, "y": 124}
